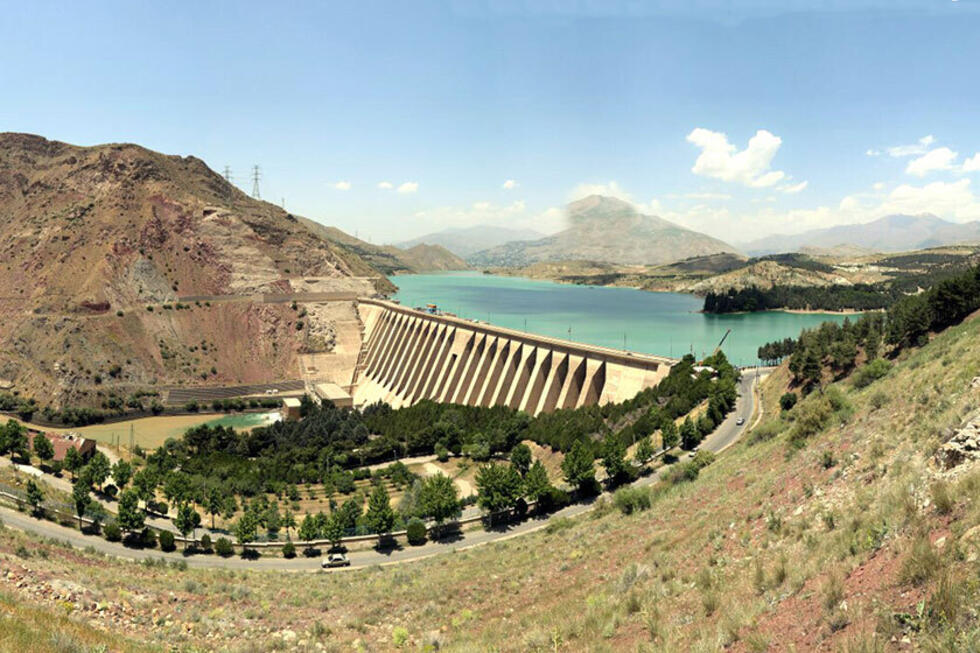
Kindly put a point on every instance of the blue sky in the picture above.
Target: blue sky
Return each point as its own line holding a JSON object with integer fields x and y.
{"x": 854, "y": 109}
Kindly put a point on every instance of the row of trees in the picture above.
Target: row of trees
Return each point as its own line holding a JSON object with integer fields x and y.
{"x": 862, "y": 297}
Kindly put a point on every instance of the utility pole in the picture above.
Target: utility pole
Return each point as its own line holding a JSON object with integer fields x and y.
{"x": 256, "y": 175}
{"x": 227, "y": 174}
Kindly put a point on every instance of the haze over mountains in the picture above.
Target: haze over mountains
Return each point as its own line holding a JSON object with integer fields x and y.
{"x": 464, "y": 241}
{"x": 607, "y": 230}
{"x": 893, "y": 233}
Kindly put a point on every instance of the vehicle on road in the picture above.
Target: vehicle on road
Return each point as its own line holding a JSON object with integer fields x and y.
{"x": 335, "y": 560}
{"x": 740, "y": 421}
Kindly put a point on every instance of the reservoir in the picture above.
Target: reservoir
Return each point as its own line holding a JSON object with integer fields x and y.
{"x": 666, "y": 324}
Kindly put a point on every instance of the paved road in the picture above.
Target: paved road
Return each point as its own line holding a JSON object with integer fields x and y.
{"x": 726, "y": 434}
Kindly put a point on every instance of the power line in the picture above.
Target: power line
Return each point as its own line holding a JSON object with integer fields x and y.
{"x": 256, "y": 175}
{"x": 227, "y": 174}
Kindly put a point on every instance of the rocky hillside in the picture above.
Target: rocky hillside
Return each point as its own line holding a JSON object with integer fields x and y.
{"x": 125, "y": 269}
{"x": 464, "y": 241}
{"x": 390, "y": 259}
{"x": 606, "y": 230}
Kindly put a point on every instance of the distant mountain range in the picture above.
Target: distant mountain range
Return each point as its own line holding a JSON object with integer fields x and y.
{"x": 606, "y": 230}
{"x": 390, "y": 259}
{"x": 464, "y": 241}
{"x": 893, "y": 233}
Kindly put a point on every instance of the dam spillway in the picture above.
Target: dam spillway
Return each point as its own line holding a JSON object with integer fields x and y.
{"x": 408, "y": 355}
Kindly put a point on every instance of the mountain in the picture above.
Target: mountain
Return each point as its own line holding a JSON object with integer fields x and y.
{"x": 893, "y": 233}
{"x": 464, "y": 241}
{"x": 123, "y": 269}
{"x": 390, "y": 259}
{"x": 606, "y": 230}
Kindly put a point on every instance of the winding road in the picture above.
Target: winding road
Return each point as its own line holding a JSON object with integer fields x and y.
{"x": 724, "y": 436}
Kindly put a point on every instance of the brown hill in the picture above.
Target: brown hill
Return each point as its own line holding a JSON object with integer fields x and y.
{"x": 104, "y": 250}
{"x": 388, "y": 258}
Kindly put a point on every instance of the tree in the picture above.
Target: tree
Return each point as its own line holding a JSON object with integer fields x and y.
{"x": 73, "y": 461}
{"x": 271, "y": 518}
{"x": 578, "y": 467}
{"x": 614, "y": 460}
{"x": 43, "y": 447}
{"x": 122, "y": 472}
{"x": 499, "y": 487}
{"x": 130, "y": 517}
{"x": 213, "y": 503}
{"x": 644, "y": 451}
{"x": 348, "y": 515}
{"x": 13, "y": 439}
{"x": 176, "y": 487}
{"x": 333, "y": 530}
{"x": 415, "y": 531}
{"x": 811, "y": 371}
{"x": 288, "y": 520}
{"x": 669, "y": 436}
{"x": 246, "y": 529}
{"x": 380, "y": 516}
{"x": 690, "y": 436}
{"x": 145, "y": 484}
{"x": 536, "y": 482}
{"x": 439, "y": 498}
{"x": 98, "y": 469}
{"x": 35, "y": 497}
{"x": 186, "y": 521}
{"x": 520, "y": 458}
{"x": 787, "y": 400}
{"x": 80, "y": 497}
{"x": 308, "y": 529}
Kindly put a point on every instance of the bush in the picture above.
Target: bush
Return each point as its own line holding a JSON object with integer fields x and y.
{"x": 766, "y": 431}
{"x": 788, "y": 400}
{"x": 112, "y": 532}
{"x": 223, "y": 547}
{"x": 167, "y": 541}
{"x": 416, "y": 531}
{"x": 289, "y": 549}
{"x": 871, "y": 372}
{"x": 632, "y": 499}
{"x": 205, "y": 542}
{"x": 148, "y": 538}
{"x": 941, "y": 497}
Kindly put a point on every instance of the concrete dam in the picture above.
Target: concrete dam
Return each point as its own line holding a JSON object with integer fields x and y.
{"x": 408, "y": 355}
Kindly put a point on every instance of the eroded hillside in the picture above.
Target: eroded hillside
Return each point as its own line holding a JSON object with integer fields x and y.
{"x": 124, "y": 268}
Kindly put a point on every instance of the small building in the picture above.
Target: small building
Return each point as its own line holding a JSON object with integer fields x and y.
{"x": 290, "y": 409}
{"x": 334, "y": 394}
{"x": 62, "y": 442}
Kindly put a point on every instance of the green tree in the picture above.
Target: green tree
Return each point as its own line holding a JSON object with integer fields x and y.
{"x": 98, "y": 469}
{"x": 811, "y": 371}
{"x": 122, "y": 472}
{"x": 499, "y": 487}
{"x": 614, "y": 460}
{"x": 644, "y": 451}
{"x": 35, "y": 497}
{"x": 213, "y": 503}
{"x": 380, "y": 516}
{"x": 186, "y": 521}
{"x": 787, "y": 400}
{"x": 334, "y": 530}
{"x": 145, "y": 484}
{"x": 669, "y": 435}
{"x": 578, "y": 467}
{"x": 73, "y": 461}
{"x": 80, "y": 497}
{"x": 536, "y": 482}
{"x": 13, "y": 439}
{"x": 43, "y": 447}
{"x": 176, "y": 487}
{"x": 288, "y": 520}
{"x": 246, "y": 529}
{"x": 520, "y": 458}
{"x": 130, "y": 517}
{"x": 690, "y": 436}
{"x": 349, "y": 513}
{"x": 272, "y": 519}
{"x": 308, "y": 529}
{"x": 439, "y": 498}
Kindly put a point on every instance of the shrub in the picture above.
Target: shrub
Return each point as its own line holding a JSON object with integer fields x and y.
{"x": 632, "y": 499}
{"x": 148, "y": 538}
{"x": 223, "y": 547}
{"x": 788, "y": 400}
{"x": 112, "y": 532}
{"x": 167, "y": 541}
{"x": 828, "y": 459}
{"x": 871, "y": 372}
{"x": 416, "y": 531}
{"x": 941, "y": 498}
{"x": 878, "y": 400}
{"x": 205, "y": 542}
{"x": 766, "y": 431}
{"x": 922, "y": 563}
{"x": 289, "y": 549}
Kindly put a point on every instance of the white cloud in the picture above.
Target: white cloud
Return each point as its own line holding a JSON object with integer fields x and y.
{"x": 408, "y": 187}
{"x": 972, "y": 164}
{"x": 878, "y": 185}
{"x": 699, "y": 196}
{"x": 941, "y": 158}
{"x": 795, "y": 188}
{"x": 385, "y": 185}
{"x": 514, "y": 215}
{"x": 919, "y": 147}
{"x": 510, "y": 184}
{"x": 341, "y": 185}
{"x": 610, "y": 189}
{"x": 719, "y": 159}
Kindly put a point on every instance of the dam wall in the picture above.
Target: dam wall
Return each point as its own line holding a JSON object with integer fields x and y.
{"x": 408, "y": 355}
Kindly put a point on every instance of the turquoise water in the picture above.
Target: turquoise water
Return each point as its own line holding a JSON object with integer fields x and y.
{"x": 245, "y": 420}
{"x": 667, "y": 324}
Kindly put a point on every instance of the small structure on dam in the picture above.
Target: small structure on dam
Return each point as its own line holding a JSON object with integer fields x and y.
{"x": 408, "y": 355}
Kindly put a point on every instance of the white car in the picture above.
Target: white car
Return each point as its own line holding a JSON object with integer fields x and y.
{"x": 740, "y": 421}
{"x": 335, "y": 560}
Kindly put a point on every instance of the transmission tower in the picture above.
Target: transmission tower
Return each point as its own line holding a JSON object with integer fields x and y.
{"x": 256, "y": 175}
{"x": 227, "y": 174}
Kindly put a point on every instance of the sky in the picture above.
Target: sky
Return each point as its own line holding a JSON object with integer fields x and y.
{"x": 394, "y": 119}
